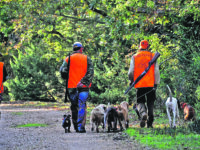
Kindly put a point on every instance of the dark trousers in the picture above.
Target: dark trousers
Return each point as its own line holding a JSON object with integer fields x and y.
{"x": 78, "y": 100}
{"x": 148, "y": 96}
{"x": 73, "y": 96}
{"x": 1, "y": 97}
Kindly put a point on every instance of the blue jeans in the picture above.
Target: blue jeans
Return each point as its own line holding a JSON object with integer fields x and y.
{"x": 78, "y": 107}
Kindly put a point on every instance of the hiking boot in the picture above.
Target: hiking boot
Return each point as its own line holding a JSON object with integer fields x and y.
{"x": 75, "y": 126}
{"x": 81, "y": 129}
{"x": 149, "y": 126}
{"x": 143, "y": 121}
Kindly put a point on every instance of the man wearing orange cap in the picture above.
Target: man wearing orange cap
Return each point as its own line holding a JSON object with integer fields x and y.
{"x": 146, "y": 87}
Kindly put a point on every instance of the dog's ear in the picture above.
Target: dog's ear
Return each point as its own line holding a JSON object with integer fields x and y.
{"x": 127, "y": 105}
{"x": 119, "y": 107}
{"x": 104, "y": 108}
{"x": 183, "y": 105}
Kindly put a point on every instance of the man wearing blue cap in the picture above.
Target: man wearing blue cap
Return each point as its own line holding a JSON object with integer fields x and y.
{"x": 78, "y": 70}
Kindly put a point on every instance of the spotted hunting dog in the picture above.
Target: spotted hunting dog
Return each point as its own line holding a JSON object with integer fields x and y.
{"x": 172, "y": 105}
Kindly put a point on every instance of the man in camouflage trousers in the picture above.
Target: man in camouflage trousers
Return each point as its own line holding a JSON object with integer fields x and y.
{"x": 146, "y": 87}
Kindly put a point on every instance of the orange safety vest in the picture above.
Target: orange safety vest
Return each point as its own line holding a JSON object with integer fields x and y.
{"x": 142, "y": 59}
{"x": 1, "y": 77}
{"x": 78, "y": 69}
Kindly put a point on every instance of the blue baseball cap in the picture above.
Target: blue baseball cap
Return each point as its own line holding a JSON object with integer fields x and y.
{"x": 77, "y": 46}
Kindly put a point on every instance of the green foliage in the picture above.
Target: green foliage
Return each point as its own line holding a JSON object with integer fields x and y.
{"x": 110, "y": 79}
{"x": 165, "y": 138}
{"x": 108, "y": 30}
{"x": 34, "y": 75}
{"x": 195, "y": 126}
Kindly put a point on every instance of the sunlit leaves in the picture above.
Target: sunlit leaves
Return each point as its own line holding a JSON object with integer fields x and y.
{"x": 150, "y": 4}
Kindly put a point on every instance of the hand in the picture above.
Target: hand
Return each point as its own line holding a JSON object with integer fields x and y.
{"x": 155, "y": 86}
{"x": 79, "y": 85}
{"x": 64, "y": 69}
{"x": 130, "y": 83}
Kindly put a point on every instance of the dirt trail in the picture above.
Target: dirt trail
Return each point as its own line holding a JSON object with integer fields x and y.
{"x": 52, "y": 137}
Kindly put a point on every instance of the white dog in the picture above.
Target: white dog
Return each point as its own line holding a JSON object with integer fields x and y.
{"x": 172, "y": 105}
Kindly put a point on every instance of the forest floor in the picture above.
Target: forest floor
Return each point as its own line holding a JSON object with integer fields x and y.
{"x": 52, "y": 136}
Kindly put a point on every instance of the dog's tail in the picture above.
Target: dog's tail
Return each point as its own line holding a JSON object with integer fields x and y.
{"x": 170, "y": 93}
{"x": 106, "y": 116}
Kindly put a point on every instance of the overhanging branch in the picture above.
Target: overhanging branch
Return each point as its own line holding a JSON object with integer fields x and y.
{"x": 96, "y": 10}
{"x": 80, "y": 19}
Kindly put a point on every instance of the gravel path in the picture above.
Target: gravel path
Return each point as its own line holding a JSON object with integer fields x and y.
{"x": 52, "y": 137}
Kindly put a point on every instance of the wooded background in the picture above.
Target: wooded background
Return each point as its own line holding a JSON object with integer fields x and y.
{"x": 36, "y": 35}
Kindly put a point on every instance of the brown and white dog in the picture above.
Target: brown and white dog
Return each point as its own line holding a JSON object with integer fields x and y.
{"x": 97, "y": 117}
{"x": 189, "y": 112}
{"x": 123, "y": 114}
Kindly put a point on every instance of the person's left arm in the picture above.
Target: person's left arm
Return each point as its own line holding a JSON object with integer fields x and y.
{"x": 64, "y": 70}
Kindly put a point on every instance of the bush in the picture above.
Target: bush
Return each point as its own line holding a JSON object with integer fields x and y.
{"x": 34, "y": 76}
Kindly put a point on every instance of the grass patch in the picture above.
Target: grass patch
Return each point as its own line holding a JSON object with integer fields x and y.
{"x": 17, "y": 113}
{"x": 166, "y": 138}
{"x": 31, "y": 125}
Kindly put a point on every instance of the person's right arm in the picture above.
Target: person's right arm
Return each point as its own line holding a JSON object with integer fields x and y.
{"x": 5, "y": 74}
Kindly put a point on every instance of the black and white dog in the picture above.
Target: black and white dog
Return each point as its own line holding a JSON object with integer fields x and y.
{"x": 172, "y": 105}
{"x": 66, "y": 124}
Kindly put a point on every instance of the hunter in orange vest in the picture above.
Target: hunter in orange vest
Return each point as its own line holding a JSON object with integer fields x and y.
{"x": 146, "y": 87}
{"x": 78, "y": 71}
{"x": 3, "y": 77}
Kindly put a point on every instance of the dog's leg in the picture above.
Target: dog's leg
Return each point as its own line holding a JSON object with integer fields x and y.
{"x": 109, "y": 125}
{"x": 174, "y": 115}
{"x": 168, "y": 114}
{"x": 69, "y": 126}
{"x": 126, "y": 121}
{"x": 177, "y": 113}
{"x": 127, "y": 124}
{"x": 120, "y": 123}
{"x": 103, "y": 123}
{"x": 115, "y": 123}
{"x": 97, "y": 127}
{"x": 92, "y": 126}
